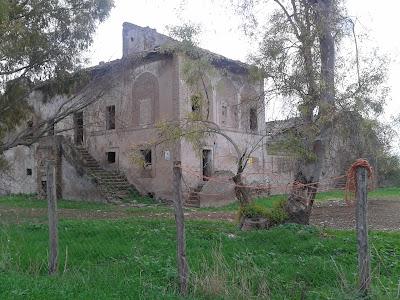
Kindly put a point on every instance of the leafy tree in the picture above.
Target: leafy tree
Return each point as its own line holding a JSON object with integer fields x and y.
{"x": 41, "y": 39}
{"x": 305, "y": 57}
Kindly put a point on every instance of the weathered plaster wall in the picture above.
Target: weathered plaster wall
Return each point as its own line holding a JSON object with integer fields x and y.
{"x": 15, "y": 180}
{"x": 153, "y": 81}
{"x": 78, "y": 186}
{"x": 232, "y": 95}
{"x": 136, "y": 39}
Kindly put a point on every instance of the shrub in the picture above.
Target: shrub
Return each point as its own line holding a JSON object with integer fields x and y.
{"x": 276, "y": 215}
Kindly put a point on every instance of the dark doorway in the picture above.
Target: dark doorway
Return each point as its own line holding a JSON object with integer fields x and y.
{"x": 111, "y": 157}
{"x": 78, "y": 127}
{"x": 44, "y": 188}
{"x": 207, "y": 164}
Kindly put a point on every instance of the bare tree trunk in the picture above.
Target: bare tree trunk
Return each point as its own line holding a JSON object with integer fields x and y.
{"x": 241, "y": 191}
{"x": 304, "y": 189}
{"x": 183, "y": 269}
{"x": 242, "y": 194}
{"x": 53, "y": 220}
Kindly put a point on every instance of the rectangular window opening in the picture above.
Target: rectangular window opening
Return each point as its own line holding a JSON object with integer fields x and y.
{"x": 253, "y": 119}
{"x": 29, "y": 172}
{"x": 78, "y": 127}
{"x": 224, "y": 114}
{"x": 146, "y": 158}
{"x": 44, "y": 188}
{"x": 110, "y": 117}
{"x": 111, "y": 157}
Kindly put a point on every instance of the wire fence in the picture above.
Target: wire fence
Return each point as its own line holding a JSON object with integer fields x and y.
{"x": 66, "y": 235}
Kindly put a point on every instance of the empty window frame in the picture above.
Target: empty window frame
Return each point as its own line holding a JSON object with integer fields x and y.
{"x": 253, "y": 119}
{"x": 147, "y": 161}
{"x": 111, "y": 157}
{"x": 196, "y": 103}
{"x": 224, "y": 114}
{"x": 29, "y": 172}
{"x": 110, "y": 117}
{"x": 44, "y": 188}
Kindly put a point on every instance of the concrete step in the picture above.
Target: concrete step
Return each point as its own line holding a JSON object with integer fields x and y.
{"x": 118, "y": 186}
{"x": 106, "y": 175}
{"x": 194, "y": 205}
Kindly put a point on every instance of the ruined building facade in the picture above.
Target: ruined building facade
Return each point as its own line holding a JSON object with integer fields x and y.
{"x": 93, "y": 146}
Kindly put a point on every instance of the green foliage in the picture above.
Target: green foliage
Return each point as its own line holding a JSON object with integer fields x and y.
{"x": 290, "y": 57}
{"x": 65, "y": 84}
{"x": 276, "y": 214}
{"x": 186, "y": 33}
{"x": 388, "y": 169}
{"x": 12, "y": 111}
{"x": 293, "y": 143}
{"x": 42, "y": 40}
{"x": 253, "y": 211}
{"x": 190, "y": 129}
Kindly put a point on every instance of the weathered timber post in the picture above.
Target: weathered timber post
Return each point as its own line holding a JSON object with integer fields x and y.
{"x": 52, "y": 215}
{"x": 183, "y": 269}
{"x": 362, "y": 230}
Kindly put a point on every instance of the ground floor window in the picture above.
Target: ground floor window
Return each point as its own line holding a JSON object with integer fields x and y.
{"x": 111, "y": 157}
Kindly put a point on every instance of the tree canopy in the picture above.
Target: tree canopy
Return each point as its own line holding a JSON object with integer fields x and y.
{"x": 41, "y": 39}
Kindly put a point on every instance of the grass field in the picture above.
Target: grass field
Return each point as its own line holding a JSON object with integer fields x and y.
{"x": 390, "y": 193}
{"x": 134, "y": 258}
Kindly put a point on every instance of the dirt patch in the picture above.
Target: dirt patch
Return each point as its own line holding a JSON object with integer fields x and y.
{"x": 382, "y": 215}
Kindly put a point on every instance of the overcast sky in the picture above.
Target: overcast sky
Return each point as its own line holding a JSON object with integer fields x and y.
{"x": 221, "y": 32}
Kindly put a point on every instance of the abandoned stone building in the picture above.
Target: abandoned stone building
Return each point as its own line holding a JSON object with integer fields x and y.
{"x": 93, "y": 146}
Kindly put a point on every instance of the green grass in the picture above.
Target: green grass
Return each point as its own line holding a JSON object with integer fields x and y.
{"x": 391, "y": 193}
{"x": 31, "y": 201}
{"x": 135, "y": 259}
{"x": 385, "y": 193}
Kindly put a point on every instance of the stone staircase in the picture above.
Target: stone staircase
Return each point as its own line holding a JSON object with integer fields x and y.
{"x": 194, "y": 198}
{"x": 112, "y": 184}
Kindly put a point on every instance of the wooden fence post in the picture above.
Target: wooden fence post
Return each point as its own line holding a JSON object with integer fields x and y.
{"x": 52, "y": 215}
{"x": 183, "y": 269}
{"x": 362, "y": 230}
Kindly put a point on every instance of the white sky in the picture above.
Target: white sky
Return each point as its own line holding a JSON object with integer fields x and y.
{"x": 221, "y": 32}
